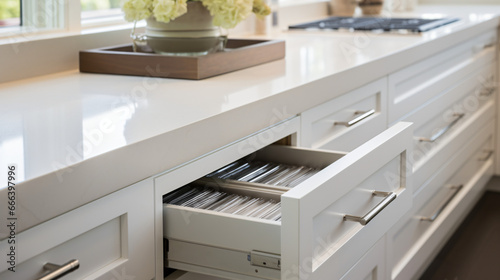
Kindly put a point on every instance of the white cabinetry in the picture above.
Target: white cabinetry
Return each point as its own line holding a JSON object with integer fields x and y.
{"x": 347, "y": 121}
{"x": 414, "y": 86}
{"x": 451, "y": 99}
{"x": 372, "y": 266}
{"x": 112, "y": 238}
{"x": 313, "y": 240}
{"x": 447, "y": 123}
{"x": 440, "y": 205}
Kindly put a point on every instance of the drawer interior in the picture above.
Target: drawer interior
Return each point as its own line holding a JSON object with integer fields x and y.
{"x": 233, "y": 217}
{"x": 253, "y": 186}
{"x": 276, "y": 167}
{"x": 246, "y": 201}
{"x": 221, "y": 216}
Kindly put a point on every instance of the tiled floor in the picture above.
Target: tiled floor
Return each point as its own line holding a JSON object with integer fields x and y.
{"x": 473, "y": 252}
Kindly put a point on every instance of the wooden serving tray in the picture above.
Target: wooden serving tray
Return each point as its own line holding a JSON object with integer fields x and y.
{"x": 239, "y": 54}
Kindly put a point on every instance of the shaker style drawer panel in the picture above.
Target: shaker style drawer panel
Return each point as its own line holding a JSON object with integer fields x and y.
{"x": 102, "y": 246}
{"x": 417, "y": 84}
{"x": 372, "y": 266}
{"x": 102, "y": 239}
{"x": 441, "y": 203}
{"x": 252, "y": 223}
{"x": 443, "y": 126}
{"x": 321, "y": 238}
{"x": 346, "y": 122}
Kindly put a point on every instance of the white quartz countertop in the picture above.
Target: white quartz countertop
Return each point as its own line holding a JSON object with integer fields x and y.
{"x": 76, "y": 137}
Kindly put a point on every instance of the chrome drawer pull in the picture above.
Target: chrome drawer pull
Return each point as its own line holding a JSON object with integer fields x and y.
{"x": 483, "y": 46}
{"x": 58, "y": 271}
{"x": 389, "y": 197}
{"x": 436, "y": 214}
{"x": 357, "y": 119}
{"x": 443, "y": 130}
{"x": 488, "y": 155}
{"x": 488, "y": 91}
{"x": 489, "y": 45}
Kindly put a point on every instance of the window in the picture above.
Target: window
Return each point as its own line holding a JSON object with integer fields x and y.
{"x": 34, "y": 16}
{"x": 10, "y": 13}
{"x": 94, "y": 10}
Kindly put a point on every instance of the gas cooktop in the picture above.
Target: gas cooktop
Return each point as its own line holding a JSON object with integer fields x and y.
{"x": 401, "y": 25}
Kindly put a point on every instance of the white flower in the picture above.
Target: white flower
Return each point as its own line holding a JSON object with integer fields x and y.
{"x": 260, "y": 8}
{"x": 167, "y": 10}
{"x": 228, "y": 13}
{"x": 137, "y": 9}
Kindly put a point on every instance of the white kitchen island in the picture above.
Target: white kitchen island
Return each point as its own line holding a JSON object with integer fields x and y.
{"x": 78, "y": 140}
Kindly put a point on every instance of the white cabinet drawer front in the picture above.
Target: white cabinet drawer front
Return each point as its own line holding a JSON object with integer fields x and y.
{"x": 372, "y": 266}
{"x": 446, "y": 113}
{"x": 419, "y": 83}
{"x": 347, "y": 121}
{"x": 312, "y": 245}
{"x": 445, "y": 124}
{"x": 379, "y": 164}
{"x": 330, "y": 229}
{"x": 437, "y": 199}
{"x": 108, "y": 237}
{"x": 102, "y": 246}
{"x": 450, "y": 109}
{"x": 433, "y": 159}
{"x": 469, "y": 159}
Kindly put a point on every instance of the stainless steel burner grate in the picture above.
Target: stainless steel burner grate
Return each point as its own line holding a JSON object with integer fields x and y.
{"x": 412, "y": 25}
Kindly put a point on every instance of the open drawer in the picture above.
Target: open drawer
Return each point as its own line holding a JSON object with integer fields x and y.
{"x": 318, "y": 235}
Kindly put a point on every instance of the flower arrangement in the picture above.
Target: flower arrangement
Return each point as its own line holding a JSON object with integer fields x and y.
{"x": 226, "y": 13}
